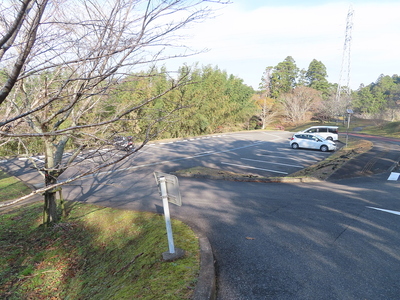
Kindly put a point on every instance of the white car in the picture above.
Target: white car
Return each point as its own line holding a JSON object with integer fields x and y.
{"x": 311, "y": 141}
{"x": 327, "y": 132}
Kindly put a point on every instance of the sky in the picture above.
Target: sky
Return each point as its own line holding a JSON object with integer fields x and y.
{"x": 247, "y": 36}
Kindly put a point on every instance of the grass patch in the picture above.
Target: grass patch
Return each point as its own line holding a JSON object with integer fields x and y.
{"x": 322, "y": 170}
{"x": 391, "y": 129}
{"x": 95, "y": 253}
{"x": 11, "y": 187}
{"x": 214, "y": 173}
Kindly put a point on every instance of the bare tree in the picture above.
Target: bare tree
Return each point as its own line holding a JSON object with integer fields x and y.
{"x": 332, "y": 108}
{"x": 266, "y": 108}
{"x": 299, "y": 103}
{"x": 264, "y": 102}
{"x": 62, "y": 60}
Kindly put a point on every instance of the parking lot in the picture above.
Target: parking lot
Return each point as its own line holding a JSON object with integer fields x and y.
{"x": 261, "y": 153}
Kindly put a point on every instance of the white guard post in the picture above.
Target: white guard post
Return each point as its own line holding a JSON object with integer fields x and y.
{"x": 164, "y": 196}
{"x": 169, "y": 190}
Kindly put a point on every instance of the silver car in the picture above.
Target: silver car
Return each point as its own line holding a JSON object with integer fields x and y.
{"x": 311, "y": 141}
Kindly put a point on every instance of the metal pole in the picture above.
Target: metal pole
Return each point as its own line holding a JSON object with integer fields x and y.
{"x": 164, "y": 197}
{"x": 348, "y": 125}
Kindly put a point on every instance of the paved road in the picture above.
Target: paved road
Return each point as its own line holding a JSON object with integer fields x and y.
{"x": 381, "y": 158}
{"x": 325, "y": 240}
{"x": 290, "y": 241}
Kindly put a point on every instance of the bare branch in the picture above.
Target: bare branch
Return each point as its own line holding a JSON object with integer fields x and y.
{"x": 64, "y": 65}
{"x": 9, "y": 37}
{"x": 25, "y": 52}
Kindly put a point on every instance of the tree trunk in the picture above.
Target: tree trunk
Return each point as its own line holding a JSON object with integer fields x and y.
{"x": 50, "y": 206}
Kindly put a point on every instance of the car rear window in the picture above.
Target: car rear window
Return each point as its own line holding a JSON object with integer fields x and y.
{"x": 312, "y": 130}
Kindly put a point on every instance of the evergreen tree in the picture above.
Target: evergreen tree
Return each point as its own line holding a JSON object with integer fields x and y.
{"x": 380, "y": 97}
{"x": 212, "y": 101}
{"x": 283, "y": 77}
{"x": 316, "y": 77}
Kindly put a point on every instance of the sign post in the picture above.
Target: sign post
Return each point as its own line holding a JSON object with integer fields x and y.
{"x": 164, "y": 197}
{"x": 169, "y": 190}
{"x": 349, "y": 113}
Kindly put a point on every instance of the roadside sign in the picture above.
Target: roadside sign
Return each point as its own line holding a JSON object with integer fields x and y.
{"x": 172, "y": 186}
{"x": 169, "y": 192}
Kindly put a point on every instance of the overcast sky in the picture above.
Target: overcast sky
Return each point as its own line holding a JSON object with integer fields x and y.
{"x": 249, "y": 35}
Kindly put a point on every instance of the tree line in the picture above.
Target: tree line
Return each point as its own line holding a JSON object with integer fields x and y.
{"x": 298, "y": 95}
{"x": 212, "y": 101}
{"x": 295, "y": 94}
{"x": 379, "y": 99}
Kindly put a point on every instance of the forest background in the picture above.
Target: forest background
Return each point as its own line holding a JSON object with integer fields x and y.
{"x": 214, "y": 101}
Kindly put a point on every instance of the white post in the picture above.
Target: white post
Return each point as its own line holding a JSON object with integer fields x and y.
{"x": 164, "y": 197}
{"x": 348, "y": 125}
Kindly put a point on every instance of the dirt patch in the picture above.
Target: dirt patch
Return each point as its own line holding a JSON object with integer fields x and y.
{"x": 323, "y": 169}
{"x": 204, "y": 172}
{"x": 316, "y": 172}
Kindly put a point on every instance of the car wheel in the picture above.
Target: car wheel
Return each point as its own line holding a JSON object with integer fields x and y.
{"x": 295, "y": 146}
{"x": 329, "y": 138}
{"x": 324, "y": 148}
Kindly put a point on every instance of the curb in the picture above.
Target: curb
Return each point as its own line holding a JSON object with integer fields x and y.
{"x": 250, "y": 179}
{"x": 206, "y": 288}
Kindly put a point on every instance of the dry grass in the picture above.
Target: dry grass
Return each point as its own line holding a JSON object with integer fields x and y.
{"x": 322, "y": 170}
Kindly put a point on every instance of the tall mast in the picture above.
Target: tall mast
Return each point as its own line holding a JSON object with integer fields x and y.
{"x": 344, "y": 77}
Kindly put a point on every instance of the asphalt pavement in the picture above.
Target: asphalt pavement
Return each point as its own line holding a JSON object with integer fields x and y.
{"x": 348, "y": 261}
{"x": 383, "y": 157}
{"x": 321, "y": 240}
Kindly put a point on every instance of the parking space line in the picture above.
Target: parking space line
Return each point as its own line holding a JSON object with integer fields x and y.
{"x": 274, "y": 135}
{"x": 203, "y": 153}
{"x": 394, "y": 176}
{"x": 249, "y": 167}
{"x": 32, "y": 157}
{"x": 274, "y": 163}
{"x": 386, "y": 210}
{"x": 142, "y": 151}
{"x": 156, "y": 146}
{"x": 173, "y": 160}
{"x": 292, "y": 157}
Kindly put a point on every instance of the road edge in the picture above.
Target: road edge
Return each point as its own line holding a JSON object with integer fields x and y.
{"x": 249, "y": 179}
{"x": 206, "y": 287}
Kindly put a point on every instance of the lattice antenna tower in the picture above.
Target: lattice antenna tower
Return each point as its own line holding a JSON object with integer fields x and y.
{"x": 344, "y": 77}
